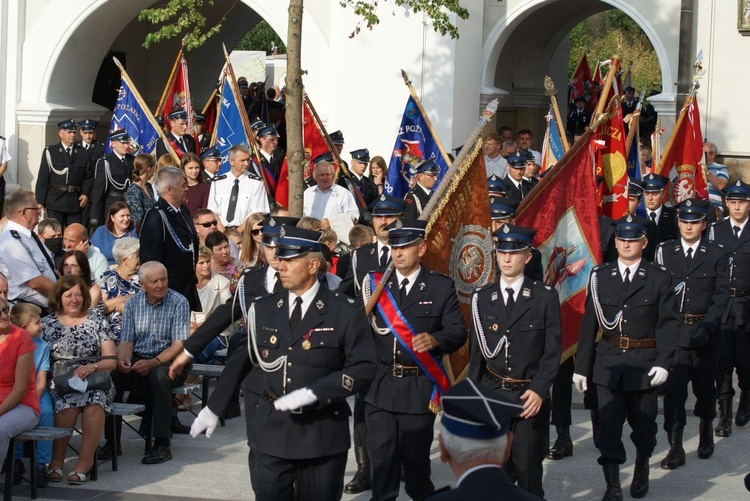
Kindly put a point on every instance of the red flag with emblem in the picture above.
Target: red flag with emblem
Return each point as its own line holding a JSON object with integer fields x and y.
{"x": 611, "y": 162}
{"x": 563, "y": 211}
{"x": 178, "y": 97}
{"x": 582, "y": 85}
{"x": 313, "y": 140}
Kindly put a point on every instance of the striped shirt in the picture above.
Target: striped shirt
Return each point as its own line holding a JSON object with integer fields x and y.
{"x": 714, "y": 194}
{"x": 153, "y": 327}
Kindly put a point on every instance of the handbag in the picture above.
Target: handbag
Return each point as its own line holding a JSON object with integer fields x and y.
{"x": 96, "y": 381}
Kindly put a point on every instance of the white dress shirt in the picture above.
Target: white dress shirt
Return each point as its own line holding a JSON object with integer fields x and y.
{"x": 21, "y": 260}
{"x": 251, "y": 198}
{"x": 632, "y": 268}
{"x": 324, "y": 204}
{"x": 497, "y": 166}
{"x": 307, "y": 298}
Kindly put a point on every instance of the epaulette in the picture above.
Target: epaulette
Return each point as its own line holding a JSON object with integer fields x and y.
{"x": 541, "y": 285}
{"x": 253, "y": 175}
{"x": 217, "y": 178}
{"x": 15, "y": 234}
{"x": 667, "y": 242}
{"x": 437, "y": 273}
{"x": 343, "y": 298}
{"x": 485, "y": 286}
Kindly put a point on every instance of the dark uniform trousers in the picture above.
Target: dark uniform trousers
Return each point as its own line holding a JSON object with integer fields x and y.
{"x": 331, "y": 353}
{"x": 705, "y": 291}
{"x": 534, "y": 336}
{"x": 735, "y": 330}
{"x": 621, "y": 375}
{"x": 399, "y": 421}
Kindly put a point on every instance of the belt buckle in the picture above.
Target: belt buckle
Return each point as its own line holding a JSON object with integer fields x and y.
{"x": 296, "y": 411}
{"x": 626, "y": 344}
{"x": 732, "y": 292}
{"x": 397, "y": 371}
{"x": 506, "y": 385}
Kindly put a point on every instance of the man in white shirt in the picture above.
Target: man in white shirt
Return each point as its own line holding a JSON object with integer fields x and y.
{"x": 329, "y": 202}
{"x": 239, "y": 193}
{"x": 525, "y": 142}
{"x": 494, "y": 163}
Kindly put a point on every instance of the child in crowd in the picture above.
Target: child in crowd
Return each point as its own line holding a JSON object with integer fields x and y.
{"x": 28, "y": 317}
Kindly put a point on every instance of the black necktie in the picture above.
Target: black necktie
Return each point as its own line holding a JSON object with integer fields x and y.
{"x": 69, "y": 152}
{"x": 402, "y": 291}
{"x": 736, "y": 231}
{"x": 44, "y": 251}
{"x": 653, "y": 217}
{"x": 277, "y": 284}
{"x": 182, "y": 144}
{"x": 233, "y": 201}
{"x": 626, "y": 280}
{"x": 511, "y": 302}
{"x": 689, "y": 257}
{"x": 296, "y": 317}
{"x": 384, "y": 257}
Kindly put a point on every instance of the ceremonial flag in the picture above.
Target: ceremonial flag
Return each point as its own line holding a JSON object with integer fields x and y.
{"x": 178, "y": 96}
{"x": 209, "y": 112}
{"x": 582, "y": 85}
{"x": 610, "y": 161}
{"x": 312, "y": 137}
{"x": 282, "y": 187}
{"x": 682, "y": 160}
{"x": 562, "y": 210}
{"x": 552, "y": 148}
{"x": 230, "y": 129}
{"x": 414, "y": 144}
{"x": 131, "y": 114}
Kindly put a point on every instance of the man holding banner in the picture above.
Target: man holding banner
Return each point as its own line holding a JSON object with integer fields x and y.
{"x": 417, "y": 320}
{"x": 178, "y": 136}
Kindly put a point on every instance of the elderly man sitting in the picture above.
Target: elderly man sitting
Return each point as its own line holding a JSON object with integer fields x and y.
{"x": 75, "y": 237}
{"x": 155, "y": 322}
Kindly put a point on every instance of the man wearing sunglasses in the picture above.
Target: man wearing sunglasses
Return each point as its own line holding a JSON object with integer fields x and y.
{"x": 205, "y": 222}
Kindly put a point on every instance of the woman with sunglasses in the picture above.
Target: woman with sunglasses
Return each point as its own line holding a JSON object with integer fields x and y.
{"x": 250, "y": 248}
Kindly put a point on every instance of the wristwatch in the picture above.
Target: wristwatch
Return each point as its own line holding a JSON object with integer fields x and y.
{"x": 158, "y": 362}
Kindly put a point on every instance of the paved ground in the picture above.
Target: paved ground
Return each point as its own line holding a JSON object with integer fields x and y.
{"x": 216, "y": 468}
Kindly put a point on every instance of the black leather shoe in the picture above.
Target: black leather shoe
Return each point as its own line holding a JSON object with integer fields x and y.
{"x": 179, "y": 428}
{"x": 724, "y": 428}
{"x": 612, "y": 477}
{"x": 159, "y": 454}
{"x": 676, "y": 455}
{"x": 743, "y": 411}
{"x": 706, "y": 439}
{"x": 563, "y": 446}
{"x": 107, "y": 451}
{"x": 639, "y": 487}
{"x": 361, "y": 481}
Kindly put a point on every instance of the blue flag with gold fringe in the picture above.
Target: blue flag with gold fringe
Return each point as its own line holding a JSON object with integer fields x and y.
{"x": 130, "y": 115}
{"x": 230, "y": 130}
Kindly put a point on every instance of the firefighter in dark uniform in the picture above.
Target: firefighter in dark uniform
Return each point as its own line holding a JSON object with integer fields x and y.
{"x": 402, "y": 401}
{"x": 629, "y": 103}
{"x": 518, "y": 187}
{"x": 700, "y": 279}
{"x": 211, "y": 162}
{"x": 665, "y": 218}
{"x": 369, "y": 257}
{"x": 503, "y": 211}
{"x": 111, "y": 177}
{"x": 63, "y": 186}
{"x": 635, "y": 195}
{"x": 178, "y": 136}
{"x": 633, "y": 303}
{"x": 365, "y": 185}
{"x": 496, "y": 187}
{"x": 579, "y": 117}
{"x": 88, "y": 140}
{"x": 314, "y": 350}
{"x": 733, "y": 233}
{"x": 425, "y": 175}
{"x": 200, "y": 130}
{"x": 516, "y": 342}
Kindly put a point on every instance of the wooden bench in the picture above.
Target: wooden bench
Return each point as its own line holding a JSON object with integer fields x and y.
{"x": 35, "y": 435}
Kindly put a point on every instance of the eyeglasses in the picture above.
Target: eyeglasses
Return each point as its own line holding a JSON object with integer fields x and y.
{"x": 31, "y": 208}
{"x": 209, "y": 224}
{"x": 256, "y": 231}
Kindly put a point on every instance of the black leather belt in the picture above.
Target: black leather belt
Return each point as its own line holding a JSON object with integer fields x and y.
{"x": 739, "y": 292}
{"x": 398, "y": 370}
{"x": 691, "y": 319}
{"x": 627, "y": 343}
{"x": 66, "y": 188}
{"x": 508, "y": 383}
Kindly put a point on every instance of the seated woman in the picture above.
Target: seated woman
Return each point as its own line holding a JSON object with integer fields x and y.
{"x": 74, "y": 262}
{"x": 250, "y": 249}
{"x": 213, "y": 290}
{"x": 222, "y": 262}
{"x": 119, "y": 224}
{"x": 119, "y": 284}
{"x": 198, "y": 188}
{"x": 19, "y": 403}
{"x": 73, "y": 330}
{"x": 140, "y": 194}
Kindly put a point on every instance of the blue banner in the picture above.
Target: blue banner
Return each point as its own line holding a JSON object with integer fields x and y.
{"x": 555, "y": 144}
{"x": 414, "y": 144}
{"x": 634, "y": 172}
{"x": 130, "y": 115}
{"x": 230, "y": 130}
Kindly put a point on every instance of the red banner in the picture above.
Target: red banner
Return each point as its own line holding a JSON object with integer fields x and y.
{"x": 687, "y": 178}
{"x": 313, "y": 140}
{"x": 282, "y": 187}
{"x": 562, "y": 210}
{"x": 178, "y": 97}
{"x": 611, "y": 162}
{"x": 582, "y": 85}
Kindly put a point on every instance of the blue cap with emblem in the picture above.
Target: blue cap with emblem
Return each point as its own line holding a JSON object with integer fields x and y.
{"x": 294, "y": 242}
{"x": 516, "y": 162}
{"x": 427, "y": 167}
{"x": 120, "y": 135}
{"x": 200, "y": 118}
{"x": 496, "y": 185}
{"x": 211, "y": 153}
{"x": 403, "y": 232}
{"x": 88, "y": 125}
{"x": 324, "y": 157}
{"x": 337, "y": 137}
{"x": 68, "y": 125}
{"x": 692, "y": 210}
{"x": 257, "y": 125}
{"x": 512, "y": 238}
{"x": 386, "y": 205}
{"x": 737, "y": 191}
{"x": 272, "y": 228}
{"x": 635, "y": 188}
{"x": 361, "y": 155}
{"x": 179, "y": 114}
{"x": 631, "y": 227}
{"x": 242, "y": 83}
{"x": 269, "y": 131}
{"x": 629, "y": 88}
{"x": 502, "y": 208}
{"x": 653, "y": 183}
{"x": 476, "y": 412}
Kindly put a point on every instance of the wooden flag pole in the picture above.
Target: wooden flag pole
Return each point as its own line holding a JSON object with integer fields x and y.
{"x": 145, "y": 110}
{"x": 170, "y": 80}
{"x": 427, "y": 121}
{"x": 607, "y": 86}
{"x": 634, "y": 118}
{"x": 551, "y": 91}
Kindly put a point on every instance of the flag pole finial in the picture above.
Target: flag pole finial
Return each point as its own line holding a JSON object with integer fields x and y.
{"x": 405, "y": 77}
{"x": 549, "y": 87}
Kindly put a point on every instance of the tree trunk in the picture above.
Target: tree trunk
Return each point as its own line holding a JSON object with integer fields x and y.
{"x": 295, "y": 154}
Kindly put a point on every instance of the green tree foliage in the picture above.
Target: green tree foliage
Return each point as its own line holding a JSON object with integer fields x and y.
{"x": 181, "y": 16}
{"x": 613, "y": 32}
{"x": 437, "y": 10}
{"x": 260, "y": 37}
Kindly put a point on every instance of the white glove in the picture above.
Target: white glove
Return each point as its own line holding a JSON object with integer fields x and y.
{"x": 206, "y": 421}
{"x": 580, "y": 383}
{"x": 295, "y": 400}
{"x": 659, "y": 376}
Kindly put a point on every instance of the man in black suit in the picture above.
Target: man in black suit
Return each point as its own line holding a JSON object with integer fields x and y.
{"x": 633, "y": 303}
{"x": 111, "y": 178}
{"x": 178, "y": 136}
{"x": 168, "y": 235}
{"x": 732, "y": 232}
{"x": 475, "y": 440}
{"x": 665, "y": 218}
{"x": 200, "y": 130}
{"x": 314, "y": 350}
{"x": 365, "y": 185}
{"x": 63, "y": 186}
{"x": 518, "y": 187}
{"x": 516, "y": 342}
{"x": 271, "y": 155}
{"x": 579, "y": 117}
{"x": 400, "y": 406}
{"x": 700, "y": 277}
{"x": 425, "y": 175}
